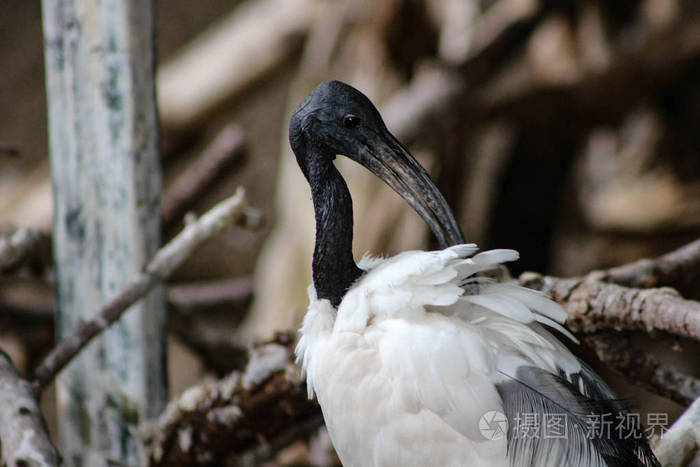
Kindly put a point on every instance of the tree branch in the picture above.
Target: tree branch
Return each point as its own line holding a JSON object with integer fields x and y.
{"x": 225, "y": 150}
{"x": 616, "y": 351}
{"x": 166, "y": 260}
{"x": 594, "y": 305}
{"x": 25, "y": 440}
{"x": 680, "y": 443}
{"x": 245, "y": 416}
{"x": 194, "y": 296}
{"x": 677, "y": 268}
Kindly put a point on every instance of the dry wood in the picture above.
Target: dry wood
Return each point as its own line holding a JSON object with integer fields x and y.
{"x": 680, "y": 444}
{"x": 191, "y": 297}
{"x": 677, "y": 268}
{"x": 225, "y": 150}
{"x": 594, "y": 305}
{"x": 241, "y": 419}
{"x": 23, "y": 435}
{"x": 106, "y": 179}
{"x": 643, "y": 368}
{"x": 166, "y": 260}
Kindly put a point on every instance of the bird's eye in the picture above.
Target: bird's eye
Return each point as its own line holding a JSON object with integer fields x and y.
{"x": 350, "y": 121}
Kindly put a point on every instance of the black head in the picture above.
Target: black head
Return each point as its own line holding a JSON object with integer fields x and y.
{"x": 332, "y": 120}
{"x": 337, "y": 119}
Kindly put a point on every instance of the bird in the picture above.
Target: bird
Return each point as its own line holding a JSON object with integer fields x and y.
{"x": 416, "y": 360}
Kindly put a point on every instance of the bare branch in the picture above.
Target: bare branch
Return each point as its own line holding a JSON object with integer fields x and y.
{"x": 25, "y": 440}
{"x": 247, "y": 415}
{"x": 166, "y": 260}
{"x": 643, "y": 368}
{"x": 679, "y": 267}
{"x": 594, "y": 305}
{"x": 18, "y": 246}
{"x": 194, "y": 296}
{"x": 225, "y": 150}
{"x": 680, "y": 443}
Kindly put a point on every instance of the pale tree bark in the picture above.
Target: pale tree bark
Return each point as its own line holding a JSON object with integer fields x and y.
{"x": 106, "y": 177}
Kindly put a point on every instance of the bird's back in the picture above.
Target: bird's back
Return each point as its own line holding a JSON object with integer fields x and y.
{"x": 415, "y": 365}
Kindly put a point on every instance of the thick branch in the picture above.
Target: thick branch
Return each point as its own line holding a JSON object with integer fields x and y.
{"x": 25, "y": 440}
{"x": 594, "y": 305}
{"x": 680, "y": 443}
{"x": 191, "y": 297}
{"x": 166, "y": 260}
{"x": 677, "y": 268}
{"x": 245, "y": 416}
{"x": 643, "y": 368}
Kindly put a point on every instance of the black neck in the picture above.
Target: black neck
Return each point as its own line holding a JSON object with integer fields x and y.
{"x": 334, "y": 269}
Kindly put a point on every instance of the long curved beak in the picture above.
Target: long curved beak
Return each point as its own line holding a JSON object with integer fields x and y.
{"x": 391, "y": 162}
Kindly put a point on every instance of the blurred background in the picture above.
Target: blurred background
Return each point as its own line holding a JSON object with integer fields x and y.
{"x": 566, "y": 129}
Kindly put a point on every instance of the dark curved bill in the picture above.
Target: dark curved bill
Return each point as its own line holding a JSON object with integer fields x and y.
{"x": 391, "y": 162}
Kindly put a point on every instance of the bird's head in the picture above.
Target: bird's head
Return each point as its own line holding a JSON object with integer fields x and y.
{"x": 337, "y": 119}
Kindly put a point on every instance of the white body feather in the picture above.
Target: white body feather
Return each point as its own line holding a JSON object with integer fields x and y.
{"x": 409, "y": 363}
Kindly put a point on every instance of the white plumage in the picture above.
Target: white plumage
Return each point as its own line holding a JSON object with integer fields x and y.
{"x": 409, "y": 364}
{"x": 413, "y": 357}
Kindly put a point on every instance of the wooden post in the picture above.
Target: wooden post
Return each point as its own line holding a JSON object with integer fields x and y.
{"x": 106, "y": 176}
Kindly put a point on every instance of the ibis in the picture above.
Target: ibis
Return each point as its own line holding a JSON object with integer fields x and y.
{"x": 416, "y": 360}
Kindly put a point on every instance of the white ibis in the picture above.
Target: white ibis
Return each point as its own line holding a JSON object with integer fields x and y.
{"x": 416, "y": 361}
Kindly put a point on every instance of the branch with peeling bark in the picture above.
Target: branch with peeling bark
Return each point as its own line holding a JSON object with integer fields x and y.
{"x": 677, "y": 268}
{"x": 594, "y": 305}
{"x": 23, "y": 435}
{"x": 166, "y": 260}
{"x": 681, "y": 443}
{"x": 616, "y": 350}
{"x": 245, "y": 417}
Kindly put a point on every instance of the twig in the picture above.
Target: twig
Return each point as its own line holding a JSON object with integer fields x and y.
{"x": 34, "y": 299}
{"x": 18, "y": 246}
{"x": 25, "y": 440}
{"x": 166, "y": 260}
{"x": 246, "y": 415}
{"x": 679, "y": 267}
{"x": 594, "y": 305}
{"x": 225, "y": 150}
{"x": 190, "y": 297}
{"x": 643, "y": 368}
{"x": 680, "y": 443}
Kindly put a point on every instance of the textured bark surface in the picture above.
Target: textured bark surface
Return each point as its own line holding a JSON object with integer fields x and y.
{"x": 677, "y": 268}
{"x": 616, "y": 350}
{"x": 164, "y": 262}
{"x": 106, "y": 177}
{"x": 680, "y": 443}
{"x": 238, "y": 420}
{"x": 24, "y": 440}
{"x": 594, "y": 305}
